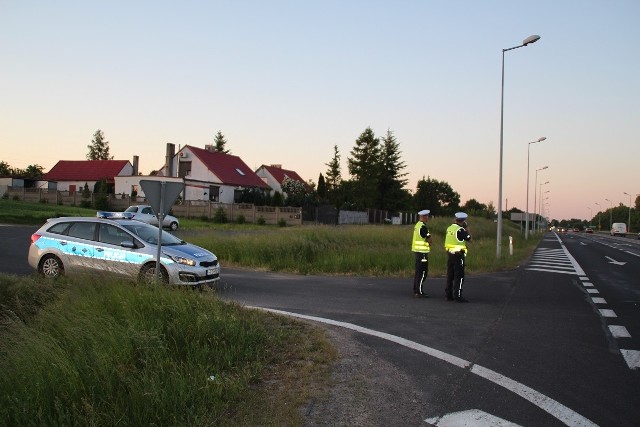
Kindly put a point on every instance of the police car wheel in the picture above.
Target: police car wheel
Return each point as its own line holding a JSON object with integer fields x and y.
{"x": 51, "y": 267}
{"x": 148, "y": 274}
{"x": 173, "y": 226}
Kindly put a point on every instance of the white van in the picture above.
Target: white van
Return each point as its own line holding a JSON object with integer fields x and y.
{"x": 619, "y": 229}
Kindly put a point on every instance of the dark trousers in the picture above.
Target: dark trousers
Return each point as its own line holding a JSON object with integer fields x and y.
{"x": 455, "y": 275}
{"x": 422, "y": 269}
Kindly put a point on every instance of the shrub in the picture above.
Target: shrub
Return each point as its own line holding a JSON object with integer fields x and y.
{"x": 16, "y": 197}
{"x": 282, "y": 222}
{"x": 261, "y": 221}
{"x": 102, "y": 203}
{"x": 241, "y": 219}
{"x": 220, "y": 216}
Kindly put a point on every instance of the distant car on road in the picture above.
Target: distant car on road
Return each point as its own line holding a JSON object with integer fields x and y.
{"x": 122, "y": 247}
{"x": 588, "y": 230}
{"x": 144, "y": 213}
{"x": 619, "y": 229}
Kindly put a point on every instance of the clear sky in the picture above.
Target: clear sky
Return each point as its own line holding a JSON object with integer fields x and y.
{"x": 285, "y": 81}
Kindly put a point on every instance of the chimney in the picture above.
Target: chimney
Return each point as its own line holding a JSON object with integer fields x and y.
{"x": 136, "y": 161}
{"x": 171, "y": 152}
{"x": 277, "y": 166}
{"x": 210, "y": 148}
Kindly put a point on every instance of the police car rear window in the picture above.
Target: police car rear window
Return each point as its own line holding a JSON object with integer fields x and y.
{"x": 59, "y": 228}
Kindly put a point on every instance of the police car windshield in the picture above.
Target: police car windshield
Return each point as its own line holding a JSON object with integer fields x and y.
{"x": 149, "y": 234}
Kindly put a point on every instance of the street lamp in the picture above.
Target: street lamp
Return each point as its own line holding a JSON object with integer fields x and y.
{"x": 541, "y": 202}
{"x": 526, "y": 221}
{"x": 599, "y": 210}
{"x": 610, "y": 212}
{"x": 629, "y": 226}
{"x": 531, "y": 39}
{"x": 535, "y": 199}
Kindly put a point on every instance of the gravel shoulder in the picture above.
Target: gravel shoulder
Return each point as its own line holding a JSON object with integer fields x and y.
{"x": 365, "y": 389}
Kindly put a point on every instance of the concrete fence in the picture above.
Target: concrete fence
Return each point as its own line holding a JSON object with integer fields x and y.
{"x": 186, "y": 209}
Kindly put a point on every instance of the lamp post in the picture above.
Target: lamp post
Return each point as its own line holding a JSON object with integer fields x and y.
{"x": 526, "y": 221}
{"x": 531, "y": 39}
{"x": 629, "y": 226}
{"x": 535, "y": 199}
{"x": 610, "y": 212}
{"x": 541, "y": 202}
{"x": 590, "y": 215}
{"x": 599, "y": 210}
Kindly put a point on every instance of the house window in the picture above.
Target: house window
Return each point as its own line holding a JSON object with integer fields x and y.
{"x": 184, "y": 169}
{"x": 214, "y": 193}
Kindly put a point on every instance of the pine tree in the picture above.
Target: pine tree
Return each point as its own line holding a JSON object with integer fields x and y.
{"x": 391, "y": 192}
{"x": 333, "y": 180}
{"x": 99, "y": 148}
{"x": 220, "y": 143}
{"x": 364, "y": 168}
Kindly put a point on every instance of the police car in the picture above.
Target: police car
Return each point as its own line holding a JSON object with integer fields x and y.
{"x": 125, "y": 247}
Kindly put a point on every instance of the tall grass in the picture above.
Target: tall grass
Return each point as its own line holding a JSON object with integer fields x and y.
{"x": 359, "y": 250}
{"x": 115, "y": 354}
{"x": 18, "y": 212}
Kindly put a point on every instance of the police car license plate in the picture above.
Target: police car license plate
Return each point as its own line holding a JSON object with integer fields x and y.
{"x": 210, "y": 272}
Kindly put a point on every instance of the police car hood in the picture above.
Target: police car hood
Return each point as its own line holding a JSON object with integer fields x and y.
{"x": 188, "y": 250}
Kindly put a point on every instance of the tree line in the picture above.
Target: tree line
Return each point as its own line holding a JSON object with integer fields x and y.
{"x": 376, "y": 180}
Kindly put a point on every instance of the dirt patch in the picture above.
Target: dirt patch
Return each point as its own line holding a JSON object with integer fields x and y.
{"x": 365, "y": 389}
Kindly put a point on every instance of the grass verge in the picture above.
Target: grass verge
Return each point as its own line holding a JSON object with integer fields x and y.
{"x": 115, "y": 354}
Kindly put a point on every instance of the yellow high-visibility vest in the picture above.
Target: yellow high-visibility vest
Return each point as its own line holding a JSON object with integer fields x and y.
{"x": 451, "y": 242}
{"x": 419, "y": 243}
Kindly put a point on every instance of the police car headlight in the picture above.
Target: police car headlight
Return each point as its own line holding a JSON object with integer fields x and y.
{"x": 184, "y": 261}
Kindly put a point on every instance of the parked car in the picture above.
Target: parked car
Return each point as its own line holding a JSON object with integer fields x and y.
{"x": 124, "y": 247}
{"x": 619, "y": 229}
{"x": 143, "y": 213}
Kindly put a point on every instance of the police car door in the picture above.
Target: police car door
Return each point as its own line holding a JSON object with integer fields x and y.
{"x": 79, "y": 245}
{"x": 112, "y": 255}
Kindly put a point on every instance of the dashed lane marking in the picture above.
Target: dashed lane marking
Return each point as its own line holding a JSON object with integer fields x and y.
{"x": 619, "y": 331}
{"x": 605, "y": 312}
{"x": 632, "y": 357}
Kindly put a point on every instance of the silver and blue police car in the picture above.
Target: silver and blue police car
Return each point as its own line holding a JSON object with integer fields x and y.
{"x": 124, "y": 247}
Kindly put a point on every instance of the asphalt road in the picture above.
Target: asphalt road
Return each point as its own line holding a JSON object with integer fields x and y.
{"x": 534, "y": 347}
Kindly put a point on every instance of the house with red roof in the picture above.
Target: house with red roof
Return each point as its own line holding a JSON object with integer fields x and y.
{"x": 274, "y": 176}
{"x": 207, "y": 175}
{"x": 72, "y": 175}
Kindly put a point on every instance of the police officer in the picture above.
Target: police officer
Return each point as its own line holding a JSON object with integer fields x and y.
{"x": 455, "y": 243}
{"x": 420, "y": 245}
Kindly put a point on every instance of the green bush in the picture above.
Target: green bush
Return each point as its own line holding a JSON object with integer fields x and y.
{"x": 241, "y": 219}
{"x": 282, "y": 222}
{"x": 220, "y": 216}
{"x": 16, "y": 197}
{"x": 261, "y": 221}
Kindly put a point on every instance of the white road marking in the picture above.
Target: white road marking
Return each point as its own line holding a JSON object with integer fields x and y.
{"x": 587, "y": 284}
{"x": 598, "y": 300}
{"x": 472, "y": 417}
{"x": 607, "y": 313}
{"x": 554, "y": 408}
{"x": 549, "y": 405}
{"x": 632, "y": 357}
{"x": 592, "y": 291}
{"x": 619, "y": 331}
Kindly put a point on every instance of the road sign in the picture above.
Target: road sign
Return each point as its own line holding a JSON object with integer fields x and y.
{"x": 153, "y": 191}
{"x": 161, "y": 195}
